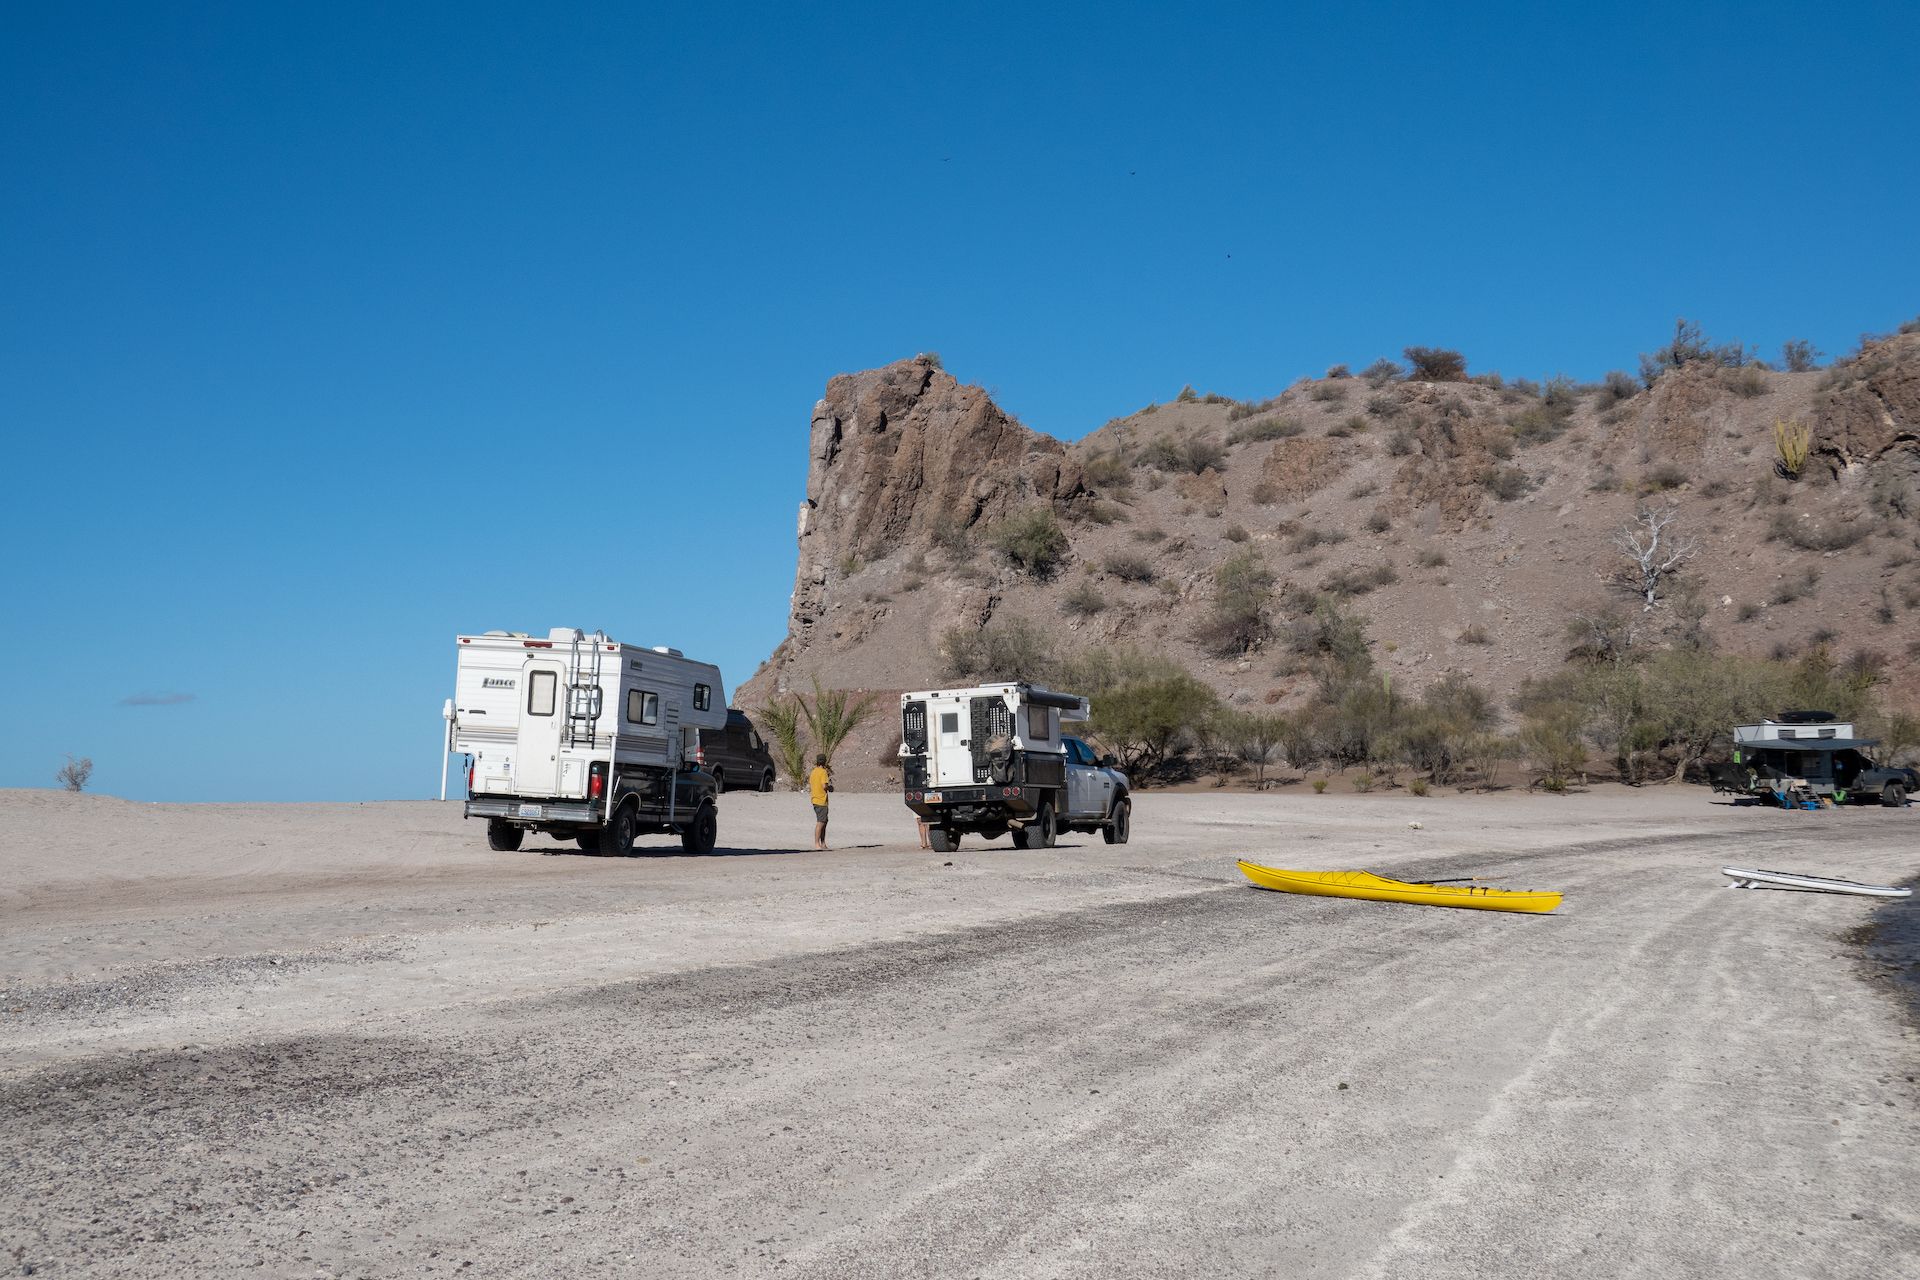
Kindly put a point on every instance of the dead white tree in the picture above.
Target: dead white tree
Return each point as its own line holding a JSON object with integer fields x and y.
{"x": 1654, "y": 550}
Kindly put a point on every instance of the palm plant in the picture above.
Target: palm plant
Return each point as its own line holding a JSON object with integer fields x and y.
{"x": 780, "y": 720}
{"x": 832, "y": 715}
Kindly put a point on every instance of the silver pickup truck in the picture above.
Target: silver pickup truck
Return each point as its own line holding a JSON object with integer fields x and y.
{"x": 992, "y": 760}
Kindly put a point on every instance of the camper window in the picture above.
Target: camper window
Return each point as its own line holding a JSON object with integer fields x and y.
{"x": 642, "y": 707}
{"x": 541, "y": 689}
{"x": 1037, "y": 723}
{"x": 702, "y": 697}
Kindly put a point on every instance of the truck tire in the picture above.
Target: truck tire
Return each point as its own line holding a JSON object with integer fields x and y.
{"x": 719, "y": 782}
{"x": 503, "y": 836}
{"x": 702, "y": 833}
{"x": 943, "y": 839}
{"x": 1039, "y": 833}
{"x": 1894, "y": 797}
{"x": 589, "y": 841}
{"x": 766, "y": 782}
{"x": 1120, "y": 825}
{"x": 616, "y": 838}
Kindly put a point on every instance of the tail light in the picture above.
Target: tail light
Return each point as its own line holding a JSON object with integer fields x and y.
{"x": 469, "y": 775}
{"x": 596, "y": 780}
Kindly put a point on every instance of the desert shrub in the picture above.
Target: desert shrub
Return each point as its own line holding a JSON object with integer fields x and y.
{"x": 74, "y": 773}
{"x": 1187, "y": 395}
{"x": 1145, "y": 716}
{"x": 1381, "y": 372}
{"x": 1795, "y": 586}
{"x": 1809, "y": 535}
{"x": 1617, "y": 387}
{"x": 1338, "y": 371}
{"x": 1332, "y": 641}
{"x": 1378, "y": 522}
{"x": 1193, "y": 454}
{"x": 1553, "y": 742}
{"x": 1254, "y": 737}
{"x": 1435, "y": 364}
{"x": 1746, "y": 381}
{"x": 1235, "y": 533}
{"x": 1305, "y": 539}
{"x": 1891, "y": 497}
{"x": 1012, "y": 650}
{"x": 1328, "y": 391}
{"x": 1251, "y": 408}
{"x": 1748, "y": 612}
{"x": 1662, "y": 477}
{"x": 1475, "y": 634}
{"x": 1363, "y": 782}
{"x": 1149, "y": 535}
{"x": 1097, "y": 512}
{"x": 1243, "y": 596}
{"x": 1084, "y": 600}
{"x": 1431, "y": 558}
{"x": 1792, "y": 442}
{"x": 1690, "y": 346}
{"x": 1418, "y": 786}
{"x": 1506, "y": 483}
{"x": 1797, "y": 355}
{"x": 1032, "y": 542}
{"x": 1341, "y": 430}
{"x": 888, "y": 757}
{"x": 1357, "y": 581}
{"x": 1264, "y": 429}
{"x": 1384, "y": 405}
{"x": 1108, "y": 469}
{"x": 1319, "y": 786}
{"x": 1400, "y": 443}
{"x": 1129, "y": 567}
{"x": 951, "y": 537}
{"x": 1538, "y": 423}
{"x": 1263, "y": 494}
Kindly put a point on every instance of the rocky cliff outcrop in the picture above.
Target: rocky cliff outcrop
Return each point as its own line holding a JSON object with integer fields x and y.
{"x": 903, "y": 457}
{"x": 1869, "y": 404}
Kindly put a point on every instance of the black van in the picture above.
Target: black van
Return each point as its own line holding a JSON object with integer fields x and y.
{"x": 736, "y": 756}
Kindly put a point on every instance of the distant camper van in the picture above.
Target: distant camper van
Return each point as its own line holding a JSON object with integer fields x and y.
{"x": 585, "y": 738}
{"x": 736, "y": 755}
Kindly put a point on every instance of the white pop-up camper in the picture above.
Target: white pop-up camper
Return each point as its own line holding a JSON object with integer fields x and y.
{"x": 584, "y": 737}
{"x": 993, "y": 759}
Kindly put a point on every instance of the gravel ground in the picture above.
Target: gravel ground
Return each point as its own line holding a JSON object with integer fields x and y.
{"x": 348, "y": 1040}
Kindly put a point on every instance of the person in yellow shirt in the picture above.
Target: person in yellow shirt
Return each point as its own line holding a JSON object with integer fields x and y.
{"x": 820, "y": 782}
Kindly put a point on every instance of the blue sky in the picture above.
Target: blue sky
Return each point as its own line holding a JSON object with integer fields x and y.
{"x": 331, "y": 331}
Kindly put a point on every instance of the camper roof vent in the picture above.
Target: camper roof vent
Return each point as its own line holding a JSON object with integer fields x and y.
{"x": 670, "y": 652}
{"x": 1806, "y": 717}
{"x": 502, "y": 634}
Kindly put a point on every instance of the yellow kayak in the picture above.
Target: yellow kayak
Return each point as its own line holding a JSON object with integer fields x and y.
{"x": 1362, "y": 884}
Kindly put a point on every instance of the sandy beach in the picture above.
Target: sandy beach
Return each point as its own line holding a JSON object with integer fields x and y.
{"x": 348, "y": 1040}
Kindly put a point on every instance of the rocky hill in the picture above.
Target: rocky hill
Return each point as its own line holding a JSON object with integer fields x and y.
{"x": 1472, "y": 522}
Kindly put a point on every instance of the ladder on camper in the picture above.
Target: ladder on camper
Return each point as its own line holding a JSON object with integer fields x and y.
{"x": 583, "y": 688}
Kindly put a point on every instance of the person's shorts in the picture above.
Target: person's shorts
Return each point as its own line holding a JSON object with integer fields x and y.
{"x": 819, "y": 813}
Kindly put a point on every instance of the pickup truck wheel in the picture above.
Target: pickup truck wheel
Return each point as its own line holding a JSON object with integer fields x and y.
{"x": 1042, "y": 829}
{"x": 1120, "y": 825}
{"x": 1894, "y": 797}
{"x": 589, "y": 841}
{"x": 943, "y": 839}
{"x": 616, "y": 838}
{"x": 702, "y": 833}
{"x": 503, "y": 836}
{"x": 766, "y": 782}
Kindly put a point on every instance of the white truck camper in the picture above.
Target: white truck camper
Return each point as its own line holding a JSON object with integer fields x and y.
{"x": 585, "y": 738}
{"x": 992, "y": 759}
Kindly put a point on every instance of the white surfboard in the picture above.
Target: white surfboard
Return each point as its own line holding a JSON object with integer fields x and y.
{"x": 1747, "y": 879}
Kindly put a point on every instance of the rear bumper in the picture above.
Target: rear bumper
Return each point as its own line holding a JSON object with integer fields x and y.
{"x": 543, "y": 811}
{"x": 974, "y": 804}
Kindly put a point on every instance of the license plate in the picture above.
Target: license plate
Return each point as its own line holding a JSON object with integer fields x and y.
{"x": 530, "y": 810}
{"x": 932, "y": 797}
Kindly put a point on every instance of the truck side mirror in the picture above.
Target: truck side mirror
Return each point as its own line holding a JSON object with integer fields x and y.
{"x": 1109, "y": 761}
